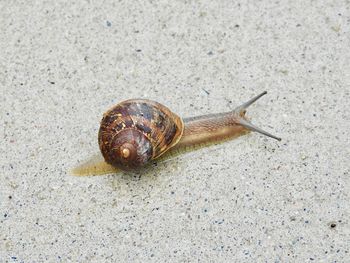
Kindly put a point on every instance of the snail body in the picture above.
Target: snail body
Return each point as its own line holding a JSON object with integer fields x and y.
{"x": 136, "y": 132}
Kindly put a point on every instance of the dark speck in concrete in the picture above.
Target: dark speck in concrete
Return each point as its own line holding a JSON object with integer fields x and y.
{"x": 219, "y": 222}
{"x": 207, "y": 92}
{"x": 108, "y": 23}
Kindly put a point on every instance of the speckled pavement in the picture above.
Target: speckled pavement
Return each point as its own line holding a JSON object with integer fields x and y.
{"x": 253, "y": 199}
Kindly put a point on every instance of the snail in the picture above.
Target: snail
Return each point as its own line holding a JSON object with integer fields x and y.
{"x": 137, "y": 132}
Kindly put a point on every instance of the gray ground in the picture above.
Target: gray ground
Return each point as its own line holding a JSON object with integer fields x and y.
{"x": 253, "y": 199}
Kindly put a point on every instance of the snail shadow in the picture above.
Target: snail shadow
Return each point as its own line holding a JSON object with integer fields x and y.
{"x": 155, "y": 173}
{"x": 152, "y": 171}
{"x": 147, "y": 182}
{"x": 172, "y": 162}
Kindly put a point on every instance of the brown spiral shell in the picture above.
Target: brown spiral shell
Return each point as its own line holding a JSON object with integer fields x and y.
{"x": 136, "y": 131}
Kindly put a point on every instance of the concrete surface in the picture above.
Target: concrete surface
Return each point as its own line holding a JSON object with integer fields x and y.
{"x": 62, "y": 64}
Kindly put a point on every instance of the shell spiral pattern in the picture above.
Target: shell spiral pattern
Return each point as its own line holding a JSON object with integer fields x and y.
{"x": 136, "y": 131}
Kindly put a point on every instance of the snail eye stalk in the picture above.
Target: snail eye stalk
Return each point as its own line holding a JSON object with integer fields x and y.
{"x": 241, "y": 110}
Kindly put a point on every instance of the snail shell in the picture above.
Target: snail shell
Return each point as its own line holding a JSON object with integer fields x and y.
{"x": 136, "y": 131}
